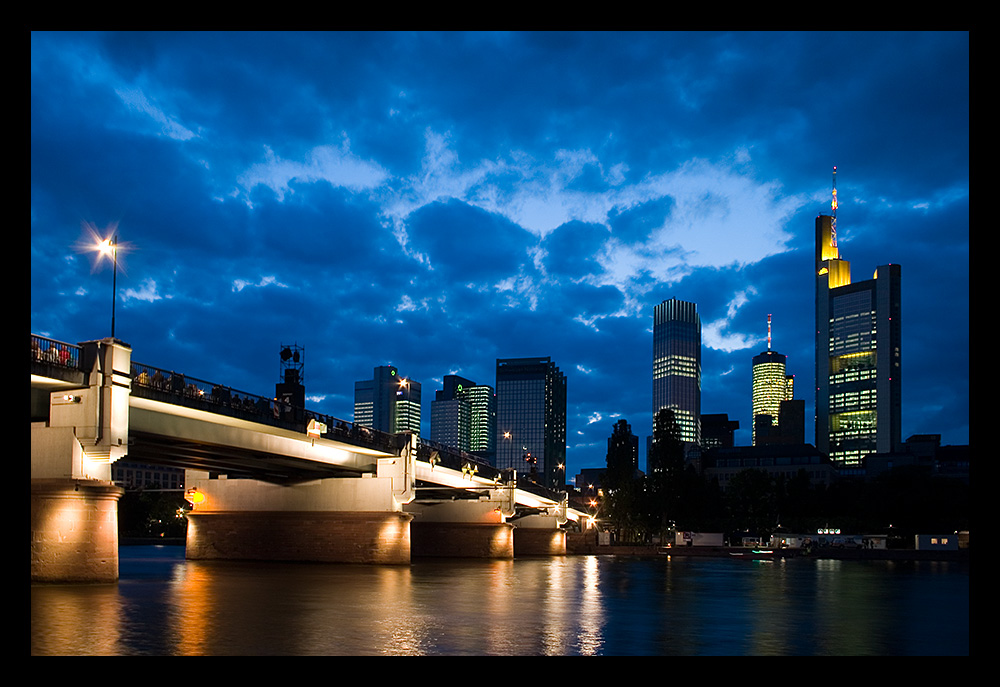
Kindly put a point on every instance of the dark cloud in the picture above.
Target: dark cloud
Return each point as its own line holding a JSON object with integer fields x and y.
{"x": 466, "y": 244}
{"x": 572, "y": 250}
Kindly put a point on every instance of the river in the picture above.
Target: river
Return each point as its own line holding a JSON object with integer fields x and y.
{"x": 164, "y": 605}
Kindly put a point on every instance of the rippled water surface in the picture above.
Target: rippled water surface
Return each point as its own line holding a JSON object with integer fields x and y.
{"x": 572, "y": 605}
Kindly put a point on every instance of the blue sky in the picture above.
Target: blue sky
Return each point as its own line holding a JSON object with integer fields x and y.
{"x": 436, "y": 201}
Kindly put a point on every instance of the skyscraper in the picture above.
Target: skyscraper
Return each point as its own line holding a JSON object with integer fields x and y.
{"x": 858, "y": 353}
{"x": 677, "y": 365}
{"x": 463, "y": 415}
{"x": 388, "y": 402}
{"x": 771, "y": 385}
{"x": 531, "y": 419}
{"x": 482, "y": 400}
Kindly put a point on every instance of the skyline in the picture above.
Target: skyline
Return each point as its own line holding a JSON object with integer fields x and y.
{"x": 436, "y": 201}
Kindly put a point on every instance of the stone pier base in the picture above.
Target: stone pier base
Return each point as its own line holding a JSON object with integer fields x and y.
{"x": 462, "y": 539}
{"x": 309, "y": 536}
{"x": 532, "y": 541}
{"x": 74, "y": 531}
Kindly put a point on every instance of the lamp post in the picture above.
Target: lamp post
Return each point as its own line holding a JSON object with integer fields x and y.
{"x": 110, "y": 247}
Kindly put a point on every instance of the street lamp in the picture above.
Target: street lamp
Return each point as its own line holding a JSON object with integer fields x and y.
{"x": 109, "y": 247}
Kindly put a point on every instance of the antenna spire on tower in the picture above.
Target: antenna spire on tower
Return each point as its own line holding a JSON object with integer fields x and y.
{"x": 833, "y": 204}
{"x": 769, "y": 331}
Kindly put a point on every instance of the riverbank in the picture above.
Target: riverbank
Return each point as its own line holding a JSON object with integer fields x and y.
{"x": 582, "y": 545}
{"x": 587, "y": 546}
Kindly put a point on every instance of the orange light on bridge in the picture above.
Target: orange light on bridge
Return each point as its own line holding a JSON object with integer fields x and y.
{"x": 194, "y": 497}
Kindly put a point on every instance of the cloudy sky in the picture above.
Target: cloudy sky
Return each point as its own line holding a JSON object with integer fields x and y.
{"x": 438, "y": 201}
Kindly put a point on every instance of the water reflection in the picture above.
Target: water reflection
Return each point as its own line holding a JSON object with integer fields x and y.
{"x": 575, "y": 605}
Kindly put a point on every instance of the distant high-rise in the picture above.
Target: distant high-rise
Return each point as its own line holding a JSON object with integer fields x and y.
{"x": 451, "y": 421}
{"x": 482, "y": 400}
{"x": 677, "y": 365}
{"x": 463, "y": 415}
{"x": 388, "y": 402}
{"x": 858, "y": 353}
{"x": 771, "y": 385}
{"x": 531, "y": 419}
{"x": 717, "y": 430}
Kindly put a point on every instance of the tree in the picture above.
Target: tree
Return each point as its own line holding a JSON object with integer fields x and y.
{"x": 752, "y": 501}
{"x": 621, "y": 484}
{"x": 664, "y": 490}
{"x": 151, "y": 513}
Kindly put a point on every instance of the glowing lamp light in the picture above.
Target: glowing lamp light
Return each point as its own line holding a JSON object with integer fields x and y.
{"x": 108, "y": 247}
{"x": 194, "y": 497}
{"x": 315, "y": 429}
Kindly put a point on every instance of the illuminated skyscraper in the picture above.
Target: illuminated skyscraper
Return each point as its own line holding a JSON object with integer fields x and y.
{"x": 531, "y": 419}
{"x": 388, "y": 402}
{"x": 408, "y": 406}
{"x": 482, "y": 400}
{"x": 677, "y": 365}
{"x": 858, "y": 353}
{"x": 463, "y": 415}
{"x": 771, "y": 385}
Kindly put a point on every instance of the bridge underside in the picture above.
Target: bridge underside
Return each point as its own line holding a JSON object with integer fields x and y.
{"x": 236, "y": 462}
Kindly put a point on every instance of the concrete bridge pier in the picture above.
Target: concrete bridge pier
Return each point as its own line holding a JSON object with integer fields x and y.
{"x": 74, "y": 504}
{"x": 462, "y": 528}
{"x": 539, "y": 535}
{"x": 336, "y": 520}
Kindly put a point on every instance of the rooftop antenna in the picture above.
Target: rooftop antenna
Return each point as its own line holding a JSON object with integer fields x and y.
{"x": 833, "y": 204}
{"x": 769, "y": 332}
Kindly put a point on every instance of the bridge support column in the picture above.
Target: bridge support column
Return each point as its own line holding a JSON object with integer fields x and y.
{"x": 539, "y": 535}
{"x": 313, "y": 536}
{"x": 74, "y": 531}
{"x": 460, "y": 529}
{"x": 74, "y": 505}
{"x": 348, "y": 520}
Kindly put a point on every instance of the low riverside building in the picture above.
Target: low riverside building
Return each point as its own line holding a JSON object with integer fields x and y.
{"x": 775, "y": 459}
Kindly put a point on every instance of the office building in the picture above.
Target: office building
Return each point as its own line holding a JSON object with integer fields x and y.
{"x": 463, "y": 416}
{"x": 790, "y": 428}
{"x": 531, "y": 419}
{"x": 771, "y": 386}
{"x": 784, "y": 461}
{"x": 451, "y": 423}
{"x": 858, "y": 353}
{"x": 388, "y": 402}
{"x": 482, "y": 400}
{"x": 677, "y": 365}
{"x": 718, "y": 431}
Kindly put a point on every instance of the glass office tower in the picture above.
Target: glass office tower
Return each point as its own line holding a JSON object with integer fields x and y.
{"x": 388, "y": 402}
{"x": 858, "y": 355}
{"x": 677, "y": 365}
{"x": 531, "y": 419}
{"x": 463, "y": 416}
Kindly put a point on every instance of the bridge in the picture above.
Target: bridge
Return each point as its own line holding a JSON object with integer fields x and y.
{"x": 267, "y": 480}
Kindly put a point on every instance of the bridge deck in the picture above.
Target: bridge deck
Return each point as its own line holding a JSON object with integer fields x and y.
{"x": 181, "y": 421}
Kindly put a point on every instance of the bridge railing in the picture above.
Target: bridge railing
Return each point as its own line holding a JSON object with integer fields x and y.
{"x": 58, "y": 353}
{"x": 454, "y": 458}
{"x": 351, "y": 432}
{"x": 172, "y": 387}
